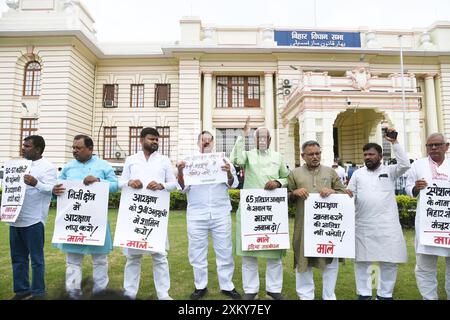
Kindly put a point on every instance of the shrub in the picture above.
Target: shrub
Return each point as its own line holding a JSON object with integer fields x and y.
{"x": 406, "y": 210}
{"x": 235, "y": 196}
{"x": 406, "y": 205}
{"x": 178, "y": 201}
{"x": 114, "y": 199}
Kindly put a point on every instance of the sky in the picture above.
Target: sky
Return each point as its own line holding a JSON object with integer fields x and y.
{"x": 155, "y": 21}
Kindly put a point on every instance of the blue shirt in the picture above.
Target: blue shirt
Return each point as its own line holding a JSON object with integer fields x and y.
{"x": 76, "y": 170}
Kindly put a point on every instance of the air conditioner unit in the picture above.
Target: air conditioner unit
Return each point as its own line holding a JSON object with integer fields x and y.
{"x": 109, "y": 104}
{"x": 120, "y": 155}
{"x": 163, "y": 103}
{"x": 287, "y": 83}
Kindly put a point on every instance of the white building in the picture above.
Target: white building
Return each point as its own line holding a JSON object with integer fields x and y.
{"x": 334, "y": 86}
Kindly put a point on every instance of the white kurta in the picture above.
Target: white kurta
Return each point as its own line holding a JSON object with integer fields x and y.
{"x": 420, "y": 169}
{"x": 209, "y": 201}
{"x": 379, "y": 235}
{"x": 157, "y": 168}
{"x": 208, "y": 211}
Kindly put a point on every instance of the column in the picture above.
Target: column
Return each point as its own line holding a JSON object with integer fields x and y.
{"x": 189, "y": 121}
{"x": 430, "y": 100}
{"x": 207, "y": 102}
{"x": 328, "y": 119}
{"x": 269, "y": 108}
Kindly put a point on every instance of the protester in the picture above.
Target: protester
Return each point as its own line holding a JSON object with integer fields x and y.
{"x": 150, "y": 169}
{"x": 264, "y": 168}
{"x": 312, "y": 177}
{"x": 90, "y": 169}
{"x": 26, "y": 234}
{"x": 208, "y": 211}
{"x": 423, "y": 171}
{"x": 378, "y": 233}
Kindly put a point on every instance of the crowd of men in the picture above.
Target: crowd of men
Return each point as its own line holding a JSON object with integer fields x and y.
{"x": 378, "y": 234}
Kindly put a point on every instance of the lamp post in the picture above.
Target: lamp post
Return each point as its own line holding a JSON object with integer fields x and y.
{"x": 403, "y": 93}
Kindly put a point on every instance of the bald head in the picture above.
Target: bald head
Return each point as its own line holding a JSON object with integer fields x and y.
{"x": 437, "y": 135}
{"x": 437, "y": 146}
{"x": 262, "y": 137}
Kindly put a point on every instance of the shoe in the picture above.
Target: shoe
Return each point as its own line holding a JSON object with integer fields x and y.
{"x": 275, "y": 296}
{"x": 37, "y": 297}
{"x": 360, "y": 297}
{"x": 250, "y": 296}
{"x": 74, "y": 294}
{"x": 384, "y": 298}
{"x": 198, "y": 293}
{"x": 233, "y": 294}
{"x": 166, "y": 298}
{"x": 22, "y": 296}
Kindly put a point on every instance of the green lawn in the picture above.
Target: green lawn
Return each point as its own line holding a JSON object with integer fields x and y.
{"x": 181, "y": 272}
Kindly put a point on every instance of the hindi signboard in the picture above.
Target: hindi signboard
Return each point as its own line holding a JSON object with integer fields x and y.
{"x": 143, "y": 219}
{"x": 296, "y": 38}
{"x": 82, "y": 213}
{"x": 264, "y": 219}
{"x": 14, "y": 188}
{"x": 204, "y": 168}
{"x": 329, "y": 226}
{"x": 434, "y": 214}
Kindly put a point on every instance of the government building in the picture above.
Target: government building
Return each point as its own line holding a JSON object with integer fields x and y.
{"x": 340, "y": 87}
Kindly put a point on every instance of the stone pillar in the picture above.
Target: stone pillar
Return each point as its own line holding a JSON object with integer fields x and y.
{"x": 269, "y": 114}
{"x": 207, "y": 102}
{"x": 327, "y": 137}
{"x": 430, "y": 100}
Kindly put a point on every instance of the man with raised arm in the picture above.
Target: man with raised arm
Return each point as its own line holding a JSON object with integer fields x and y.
{"x": 264, "y": 168}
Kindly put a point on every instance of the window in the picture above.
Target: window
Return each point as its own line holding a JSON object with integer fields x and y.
{"x": 135, "y": 144}
{"x": 28, "y": 127}
{"x": 109, "y": 142}
{"x": 32, "y": 81}
{"x": 162, "y": 95}
{"x": 137, "y": 96}
{"x": 164, "y": 140}
{"x": 319, "y": 137}
{"x": 226, "y": 138}
{"x": 110, "y": 95}
{"x": 237, "y": 92}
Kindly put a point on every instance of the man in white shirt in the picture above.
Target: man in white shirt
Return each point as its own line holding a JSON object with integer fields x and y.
{"x": 26, "y": 236}
{"x": 378, "y": 234}
{"x": 208, "y": 210}
{"x": 423, "y": 171}
{"x": 340, "y": 171}
{"x": 150, "y": 167}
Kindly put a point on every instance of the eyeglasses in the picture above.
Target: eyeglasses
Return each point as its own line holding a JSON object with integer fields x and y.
{"x": 437, "y": 145}
{"x": 317, "y": 154}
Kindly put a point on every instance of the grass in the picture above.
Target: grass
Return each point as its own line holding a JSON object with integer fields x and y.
{"x": 182, "y": 283}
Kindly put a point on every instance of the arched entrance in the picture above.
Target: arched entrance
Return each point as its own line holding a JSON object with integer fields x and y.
{"x": 354, "y": 128}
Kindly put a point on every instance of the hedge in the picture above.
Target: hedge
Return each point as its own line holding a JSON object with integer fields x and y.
{"x": 406, "y": 205}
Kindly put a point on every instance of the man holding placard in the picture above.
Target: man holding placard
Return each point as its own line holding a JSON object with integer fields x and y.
{"x": 429, "y": 180}
{"x": 264, "y": 169}
{"x": 150, "y": 169}
{"x": 312, "y": 177}
{"x": 26, "y": 233}
{"x": 208, "y": 210}
{"x": 90, "y": 169}
{"x": 379, "y": 236}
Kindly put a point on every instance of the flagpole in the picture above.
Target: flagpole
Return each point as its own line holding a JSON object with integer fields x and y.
{"x": 403, "y": 94}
